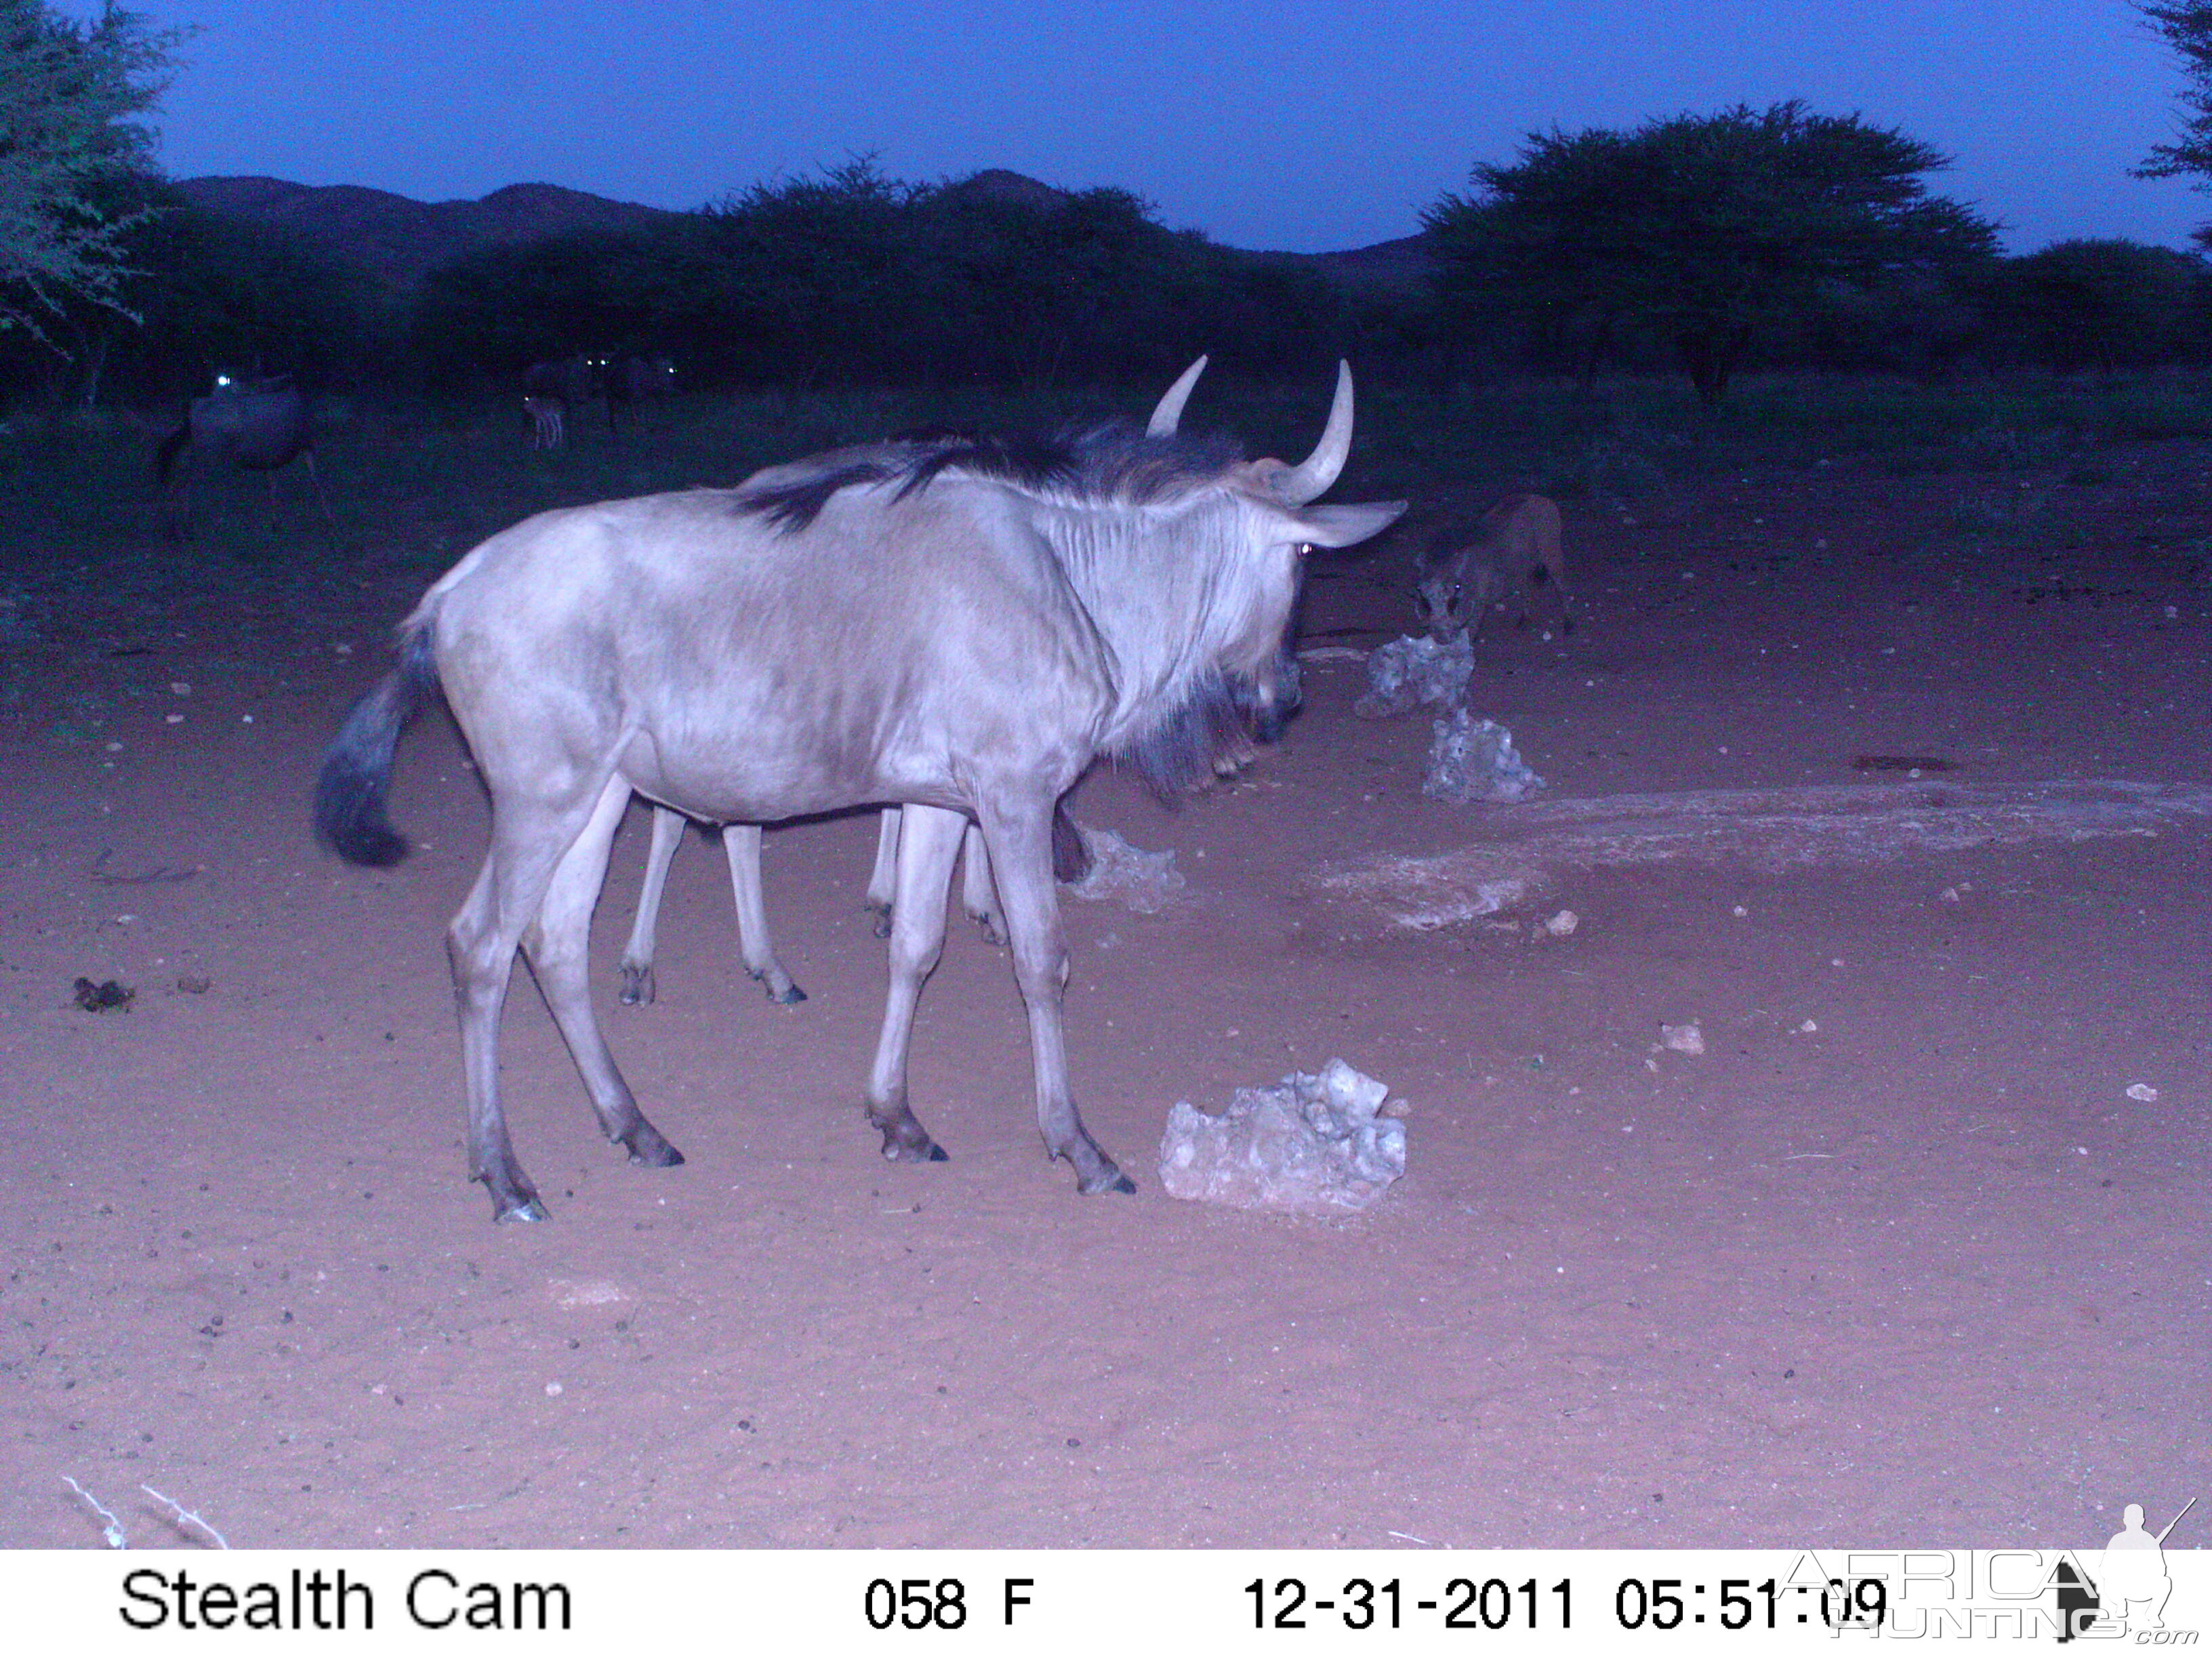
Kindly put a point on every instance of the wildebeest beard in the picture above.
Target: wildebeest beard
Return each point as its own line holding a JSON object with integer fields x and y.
{"x": 1215, "y": 720}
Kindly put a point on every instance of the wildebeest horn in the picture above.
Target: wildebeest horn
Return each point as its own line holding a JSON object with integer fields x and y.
{"x": 1299, "y": 484}
{"x": 1169, "y": 411}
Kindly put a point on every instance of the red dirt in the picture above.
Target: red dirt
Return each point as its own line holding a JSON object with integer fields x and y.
{"x": 1925, "y": 1274}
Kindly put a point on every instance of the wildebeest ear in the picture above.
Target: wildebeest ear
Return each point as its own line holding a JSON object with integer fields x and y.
{"x": 1343, "y": 527}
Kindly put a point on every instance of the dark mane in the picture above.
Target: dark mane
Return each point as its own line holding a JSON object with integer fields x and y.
{"x": 794, "y": 506}
{"x": 1113, "y": 461}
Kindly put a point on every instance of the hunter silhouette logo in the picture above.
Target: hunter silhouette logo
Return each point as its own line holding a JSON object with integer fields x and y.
{"x": 2129, "y": 1589}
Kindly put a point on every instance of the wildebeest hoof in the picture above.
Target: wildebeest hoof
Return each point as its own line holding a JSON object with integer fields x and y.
{"x": 910, "y": 1143}
{"x": 991, "y": 932}
{"x": 531, "y": 1208}
{"x": 789, "y": 994}
{"x": 1109, "y": 1180}
{"x": 646, "y": 1146}
{"x": 637, "y": 984}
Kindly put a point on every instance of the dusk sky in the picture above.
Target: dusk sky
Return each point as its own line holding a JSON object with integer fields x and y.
{"x": 1295, "y": 123}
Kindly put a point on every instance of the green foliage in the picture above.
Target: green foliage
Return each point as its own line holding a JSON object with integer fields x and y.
{"x": 2186, "y": 25}
{"x": 71, "y": 154}
{"x": 1703, "y": 232}
{"x": 854, "y": 278}
{"x": 2104, "y": 305}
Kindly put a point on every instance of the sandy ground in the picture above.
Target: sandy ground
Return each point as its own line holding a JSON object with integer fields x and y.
{"x": 1918, "y": 1272}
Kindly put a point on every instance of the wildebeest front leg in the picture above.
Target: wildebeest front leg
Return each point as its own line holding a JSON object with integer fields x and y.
{"x": 1021, "y": 857}
{"x": 741, "y": 844}
{"x": 882, "y": 880}
{"x": 637, "y": 982}
{"x": 929, "y": 840}
{"x": 558, "y": 944}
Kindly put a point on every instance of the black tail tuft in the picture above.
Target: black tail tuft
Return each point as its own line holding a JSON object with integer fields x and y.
{"x": 357, "y": 769}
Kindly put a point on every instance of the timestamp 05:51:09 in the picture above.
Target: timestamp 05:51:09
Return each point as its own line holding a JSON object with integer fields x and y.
{"x": 1638, "y": 1604}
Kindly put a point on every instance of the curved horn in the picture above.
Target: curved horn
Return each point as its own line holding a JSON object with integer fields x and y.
{"x": 1299, "y": 484}
{"x": 1170, "y": 409}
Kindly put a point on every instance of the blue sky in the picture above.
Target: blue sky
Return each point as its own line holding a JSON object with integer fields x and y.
{"x": 1295, "y": 123}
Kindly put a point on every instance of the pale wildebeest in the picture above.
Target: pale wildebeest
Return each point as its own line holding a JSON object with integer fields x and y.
{"x": 262, "y": 424}
{"x": 1512, "y": 551}
{"x": 741, "y": 843}
{"x": 961, "y": 633}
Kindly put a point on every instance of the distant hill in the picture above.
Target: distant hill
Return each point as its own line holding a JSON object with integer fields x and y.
{"x": 398, "y": 239}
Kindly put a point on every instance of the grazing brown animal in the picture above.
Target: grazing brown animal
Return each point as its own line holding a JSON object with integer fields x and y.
{"x": 1512, "y": 551}
{"x": 961, "y": 633}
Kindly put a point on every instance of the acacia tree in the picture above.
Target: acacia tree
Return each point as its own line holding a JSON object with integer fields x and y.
{"x": 72, "y": 157}
{"x": 1700, "y": 230}
{"x": 2186, "y": 25}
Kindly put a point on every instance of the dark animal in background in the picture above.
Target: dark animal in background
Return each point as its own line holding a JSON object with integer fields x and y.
{"x": 548, "y": 421}
{"x": 963, "y": 633}
{"x": 626, "y": 382}
{"x": 262, "y": 424}
{"x": 552, "y": 392}
{"x": 1511, "y": 552}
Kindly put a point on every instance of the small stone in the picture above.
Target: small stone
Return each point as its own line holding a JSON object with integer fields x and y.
{"x": 1807, "y": 1028}
{"x": 1739, "y": 911}
{"x": 2142, "y": 1091}
{"x": 1684, "y": 1039}
{"x": 180, "y": 688}
{"x": 553, "y": 1388}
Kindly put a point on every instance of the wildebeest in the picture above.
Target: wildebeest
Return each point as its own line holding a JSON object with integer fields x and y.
{"x": 1512, "y": 549}
{"x": 549, "y": 428}
{"x": 263, "y": 424}
{"x": 961, "y": 632}
{"x": 553, "y": 392}
{"x": 626, "y": 382}
{"x": 741, "y": 843}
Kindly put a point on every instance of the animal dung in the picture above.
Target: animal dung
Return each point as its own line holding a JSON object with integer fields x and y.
{"x": 1475, "y": 760}
{"x": 1408, "y": 672}
{"x": 98, "y": 999}
{"x": 1328, "y": 1144}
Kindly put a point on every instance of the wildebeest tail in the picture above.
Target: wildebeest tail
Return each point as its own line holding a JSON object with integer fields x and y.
{"x": 357, "y": 769}
{"x": 164, "y": 458}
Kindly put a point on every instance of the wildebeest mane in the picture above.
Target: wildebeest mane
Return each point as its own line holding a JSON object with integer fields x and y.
{"x": 794, "y": 506}
{"x": 1111, "y": 462}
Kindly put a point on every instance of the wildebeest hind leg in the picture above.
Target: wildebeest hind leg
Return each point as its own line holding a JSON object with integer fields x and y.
{"x": 1021, "y": 858}
{"x": 978, "y": 897}
{"x": 558, "y": 944}
{"x": 882, "y": 880}
{"x": 929, "y": 839}
{"x": 636, "y": 965}
{"x": 741, "y": 845}
{"x": 480, "y": 945}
